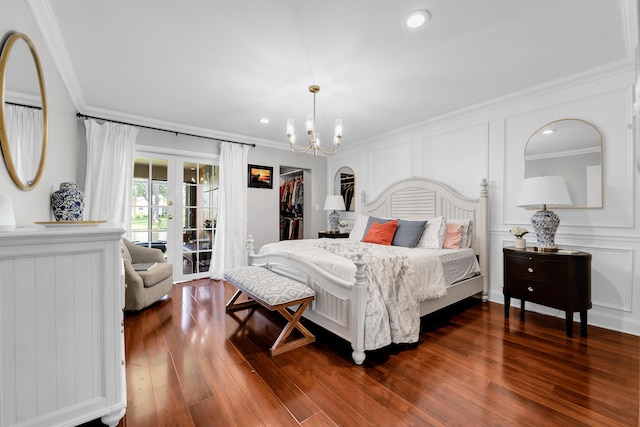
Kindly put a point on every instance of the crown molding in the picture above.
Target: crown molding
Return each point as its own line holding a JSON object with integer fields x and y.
{"x": 50, "y": 31}
{"x": 48, "y": 24}
{"x": 177, "y": 127}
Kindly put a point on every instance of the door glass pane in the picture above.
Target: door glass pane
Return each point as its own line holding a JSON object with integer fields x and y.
{"x": 149, "y": 203}
{"x": 200, "y": 202}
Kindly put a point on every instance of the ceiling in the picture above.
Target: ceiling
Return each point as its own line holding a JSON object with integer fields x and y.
{"x": 215, "y": 67}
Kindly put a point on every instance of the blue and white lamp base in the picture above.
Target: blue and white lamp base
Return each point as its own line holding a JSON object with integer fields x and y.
{"x": 545, "y": 223}
{"x": 334, "y": 217}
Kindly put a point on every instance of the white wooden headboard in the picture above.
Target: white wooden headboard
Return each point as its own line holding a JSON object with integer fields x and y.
{"x": 421, "y": 197}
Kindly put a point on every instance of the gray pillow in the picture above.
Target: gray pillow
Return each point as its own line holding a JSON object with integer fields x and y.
{"x": 408, "y": 233}
{"x": 370, "y": 221}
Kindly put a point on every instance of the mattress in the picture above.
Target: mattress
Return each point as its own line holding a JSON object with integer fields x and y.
{"x": 336, "y": 256}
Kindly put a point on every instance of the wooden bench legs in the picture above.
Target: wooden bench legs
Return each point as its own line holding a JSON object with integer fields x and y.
{"x": 293, "y": 321}
{"x": 280, "y": 346}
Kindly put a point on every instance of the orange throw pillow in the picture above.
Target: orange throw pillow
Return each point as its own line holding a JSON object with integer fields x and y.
{"x": 381, "y": 234}
{"x": 453, "y": 236}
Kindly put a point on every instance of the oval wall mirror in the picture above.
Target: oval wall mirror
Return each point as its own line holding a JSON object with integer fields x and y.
{"x": 23, "y": 113}
{"x": 571, "y": 148}
{"x": 345, "y": 184}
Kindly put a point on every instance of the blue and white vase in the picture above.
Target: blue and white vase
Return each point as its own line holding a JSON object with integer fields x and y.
{"x": 67, "y": 203}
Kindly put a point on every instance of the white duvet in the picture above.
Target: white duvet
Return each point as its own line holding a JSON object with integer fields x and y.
{"x": 398, "y": 279}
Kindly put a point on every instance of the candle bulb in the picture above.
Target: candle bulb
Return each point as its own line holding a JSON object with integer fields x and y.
{"x": 338, "y": 131}
{"x": 290, "y": 129}
{"x": 309, "y": 123}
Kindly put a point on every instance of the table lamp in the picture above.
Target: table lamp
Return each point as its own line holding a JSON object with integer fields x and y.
{"x": 334, "y": 203}
{"x": 543, "y": 191}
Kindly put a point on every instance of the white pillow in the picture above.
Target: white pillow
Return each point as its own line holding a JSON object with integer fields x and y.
{"x": 357, "y": 232}
{"x": 434, "y": 234}
{"x": 465, "y": 241}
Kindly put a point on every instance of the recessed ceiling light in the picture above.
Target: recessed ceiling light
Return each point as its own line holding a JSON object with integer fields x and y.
{"x": 264, "y": 121}
{"x": 417, "y": 19}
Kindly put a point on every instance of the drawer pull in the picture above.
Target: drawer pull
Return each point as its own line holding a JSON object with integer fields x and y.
{"x": 530, "y": 289}
{"x": 530, "y": 270}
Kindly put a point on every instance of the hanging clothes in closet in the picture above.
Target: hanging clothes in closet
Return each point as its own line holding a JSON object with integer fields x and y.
{"x": 347, "y": 189}
{"x": 292, "y": 209}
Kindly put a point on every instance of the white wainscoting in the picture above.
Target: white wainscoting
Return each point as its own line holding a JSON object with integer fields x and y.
{"x": 62, "y": 343}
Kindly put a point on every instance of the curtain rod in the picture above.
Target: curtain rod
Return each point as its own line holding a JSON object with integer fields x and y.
{"x": 23, "y": 105}
{"x": 84, "y": 116}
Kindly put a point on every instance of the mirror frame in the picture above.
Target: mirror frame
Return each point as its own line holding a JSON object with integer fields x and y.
{"x": 4, "y": 138}
{"x": 537, "y": 131}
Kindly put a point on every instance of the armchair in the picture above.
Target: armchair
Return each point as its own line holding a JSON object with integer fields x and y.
{"x": 143, "y": 288}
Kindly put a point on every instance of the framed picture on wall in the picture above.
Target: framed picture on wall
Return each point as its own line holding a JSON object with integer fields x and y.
{"x": 260, "y": 176}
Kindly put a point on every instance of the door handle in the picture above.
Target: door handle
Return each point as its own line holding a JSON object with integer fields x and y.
{"x": 170, "y": 203}
{"x": 170, "y": 217}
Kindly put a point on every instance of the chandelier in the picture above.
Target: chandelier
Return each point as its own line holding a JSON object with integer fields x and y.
{"x": 314, "y": 137}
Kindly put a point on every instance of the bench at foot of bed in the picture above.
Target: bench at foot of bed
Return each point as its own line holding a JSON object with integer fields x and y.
{"x": 275, "y": 293}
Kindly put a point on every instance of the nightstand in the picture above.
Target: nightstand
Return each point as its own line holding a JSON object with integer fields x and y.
{"x": 554, "y": 279}
{"x": 333, "y": 234}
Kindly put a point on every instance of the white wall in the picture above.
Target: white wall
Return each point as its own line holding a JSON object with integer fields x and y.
{"x": 264, "y": 208}
{"x": 66, "y": 154}
{"x": 463, "y": 148}
{"x": 459, "y": 149}
{"x": 66, "y": 151}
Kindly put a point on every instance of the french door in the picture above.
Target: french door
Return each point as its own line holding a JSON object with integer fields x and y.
{"x": 198, "y": 207}
{"x": 174, "y": 209}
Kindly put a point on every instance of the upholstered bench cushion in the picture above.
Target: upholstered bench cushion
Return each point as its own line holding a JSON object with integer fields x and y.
{"x": 270, "y": 287}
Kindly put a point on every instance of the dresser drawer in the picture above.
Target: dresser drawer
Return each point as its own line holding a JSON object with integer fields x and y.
{"x": 536, "y": 269}
{"x": 549, "y": 293}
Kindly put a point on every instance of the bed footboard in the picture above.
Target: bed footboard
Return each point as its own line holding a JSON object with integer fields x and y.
{"x": 339, "y": 306}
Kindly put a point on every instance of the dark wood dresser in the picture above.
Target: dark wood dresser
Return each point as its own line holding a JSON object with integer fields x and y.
{"x": 554, "y": 279}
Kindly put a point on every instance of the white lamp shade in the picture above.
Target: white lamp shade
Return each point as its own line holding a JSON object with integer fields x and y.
{"x": 334, "y": 203}
{"x": 7, "y": 216}
{"x": 542, "y": 191}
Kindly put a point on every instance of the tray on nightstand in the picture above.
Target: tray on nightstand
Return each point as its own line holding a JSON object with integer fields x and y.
{"x": 333, "y": 234}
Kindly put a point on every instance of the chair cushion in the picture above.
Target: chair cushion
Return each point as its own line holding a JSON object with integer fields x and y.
{"x": 270, "y": 287}
{"x": 156, "y": 274}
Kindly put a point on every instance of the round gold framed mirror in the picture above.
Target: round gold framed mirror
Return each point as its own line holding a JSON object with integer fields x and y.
{"x": 23, "y": 113}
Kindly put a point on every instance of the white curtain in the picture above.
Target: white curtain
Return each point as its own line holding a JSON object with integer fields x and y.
{"x": 231, "y": 231}
{"x": 107, "y": 189}
{"x": 24, "y": 130}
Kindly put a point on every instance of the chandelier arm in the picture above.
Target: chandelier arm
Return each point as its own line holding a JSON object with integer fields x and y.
{"x": 297, "y": 150}
{"x": 328, "y": 152}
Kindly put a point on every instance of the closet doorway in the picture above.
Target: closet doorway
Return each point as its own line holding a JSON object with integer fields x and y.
{"x": 293, "y": 202}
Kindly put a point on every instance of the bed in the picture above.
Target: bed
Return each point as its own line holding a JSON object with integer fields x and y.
{"x": 341, "y": 271}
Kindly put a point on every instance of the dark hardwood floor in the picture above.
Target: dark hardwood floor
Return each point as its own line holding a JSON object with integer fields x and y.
{"x": 187, "y": 364}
